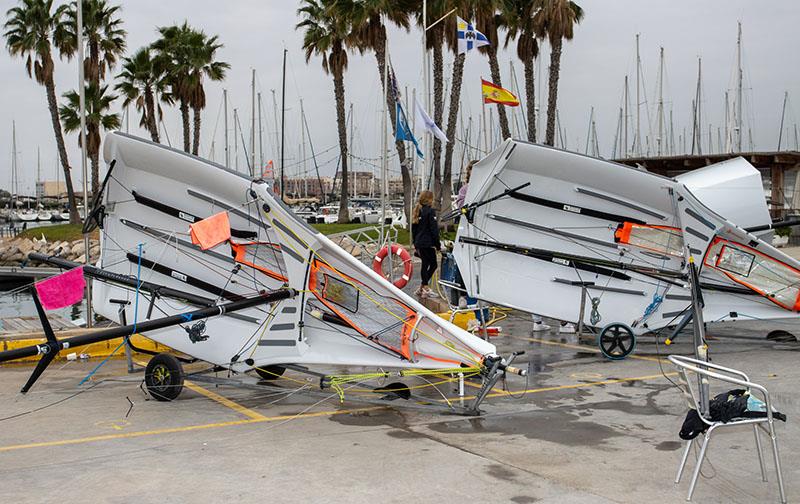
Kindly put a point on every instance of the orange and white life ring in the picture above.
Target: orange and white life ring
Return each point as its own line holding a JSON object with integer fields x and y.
{"x": 403, "y": 256}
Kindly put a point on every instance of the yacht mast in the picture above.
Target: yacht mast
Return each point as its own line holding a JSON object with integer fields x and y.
{"x": 625, "y": 100}
{"x": 783, "y": 115}
{"x": 227, "y": 146}
{"x": 253, "y": 124}
{"x": 660, "y": 113}
{"x": 637, "y": 139}
{"x": 739, "y": 89}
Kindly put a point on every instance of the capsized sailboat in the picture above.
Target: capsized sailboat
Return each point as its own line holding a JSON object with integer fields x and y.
{"x": 333, "y": 310}
{"x": 541, "y": 224}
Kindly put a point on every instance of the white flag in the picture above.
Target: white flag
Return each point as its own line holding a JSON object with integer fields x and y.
{"x": 427, "y": 123}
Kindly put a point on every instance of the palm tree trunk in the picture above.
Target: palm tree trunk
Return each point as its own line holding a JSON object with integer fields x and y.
{"x": 196, "y": 139}
{"x": 52, "y": 104}
{"x": 452, "y": 120}
{"x": 494, "y": 66}
{"x": 338, "y": 91}
{"x": 530, "y": 98}
{"x": 552, "y": 97}
{"x": 149, "y": 103}
{"x": 380, "y": 56}
{"x": 94, "y": 157}
{"x": 186, "y": 128}
{"x": 438, "y": 112}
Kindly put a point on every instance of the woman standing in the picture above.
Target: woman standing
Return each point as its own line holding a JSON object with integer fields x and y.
{"x": 426, "y": 240}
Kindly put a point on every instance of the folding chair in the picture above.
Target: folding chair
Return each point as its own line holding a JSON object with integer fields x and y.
{"x": 706, "y": 371}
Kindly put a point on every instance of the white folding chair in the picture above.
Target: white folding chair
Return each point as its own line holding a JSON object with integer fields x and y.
{"x": 692, "y": 368}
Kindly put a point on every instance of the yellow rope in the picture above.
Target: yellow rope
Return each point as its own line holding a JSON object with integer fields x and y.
{"x": 336, "y": 381}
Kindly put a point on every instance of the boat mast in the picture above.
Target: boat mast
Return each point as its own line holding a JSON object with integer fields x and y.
{"x": 260, "y": 138}
{"x": 14, "y": 174}
{"x": 660, "y": 113}
{"x": 303, "y": 150}
{"x": 235, "y": 139}
{"x": 427, "y": 182}
{"x": 38, "y": 175}
{"x": 253, "y": 124}
{"x": 697, "y": 137}
{"x": 625, "y": 101}
{"x": 227, "y": 147}
{"x": 283, "y": 122}
{"x": 783, "y": 115}
{"x": 637, "y": 139}
{"x": 739, "y": 89}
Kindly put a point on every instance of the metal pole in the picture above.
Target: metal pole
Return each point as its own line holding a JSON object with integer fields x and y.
{"x": 384, "y": 146}
{"x": 82, "y": 105}
{"x": 637, "y": 139}
{"x": 739, "y": 89}
{"x": 283, "y": 121}
{"x": 227, "y": 147}
{"x": 253, "y": 124}
{"x": 260, "y": 140}
{"x": 427, "y": 179}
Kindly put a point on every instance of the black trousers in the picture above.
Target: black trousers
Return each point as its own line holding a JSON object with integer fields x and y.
{"x": 428, "y": 256}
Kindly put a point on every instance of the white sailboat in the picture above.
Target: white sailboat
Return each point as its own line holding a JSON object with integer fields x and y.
{"x": 542, "y": 224}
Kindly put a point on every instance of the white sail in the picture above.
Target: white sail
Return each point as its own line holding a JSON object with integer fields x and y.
{"x": 344, "y": 313}
{"x": 625, "y": 233}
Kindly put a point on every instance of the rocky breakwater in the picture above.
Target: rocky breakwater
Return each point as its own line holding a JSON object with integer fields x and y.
{"x": 13, "y": 251}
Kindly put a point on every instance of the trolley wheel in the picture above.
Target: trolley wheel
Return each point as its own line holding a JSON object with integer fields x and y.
{"x": 164, "y": 377}
{"x": 616, "y": 341}
{"x": 270, "y": 372}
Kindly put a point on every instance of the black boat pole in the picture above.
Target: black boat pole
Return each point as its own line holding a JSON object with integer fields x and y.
{"x": 52, "y": 346}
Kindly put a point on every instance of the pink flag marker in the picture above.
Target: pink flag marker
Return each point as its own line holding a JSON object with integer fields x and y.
{"x": 61, "y": 290}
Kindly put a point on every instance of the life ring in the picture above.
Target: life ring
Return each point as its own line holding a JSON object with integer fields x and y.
{"x": 405, "y": 257}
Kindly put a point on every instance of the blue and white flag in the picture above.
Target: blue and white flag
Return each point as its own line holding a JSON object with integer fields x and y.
{"x": 404, "y": 133}
{"x": 468, "y": 37}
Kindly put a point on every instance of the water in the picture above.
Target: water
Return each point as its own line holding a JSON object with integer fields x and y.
{"x": 20, "y": 304}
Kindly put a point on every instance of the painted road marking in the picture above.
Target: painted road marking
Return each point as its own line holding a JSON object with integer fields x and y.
{"x": 188, "y": 428}
{"x": 253, "y": 415}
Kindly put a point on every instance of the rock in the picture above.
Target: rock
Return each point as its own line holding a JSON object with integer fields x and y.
{"x": 78, "y": 248}
{"x": 26, "y": 246}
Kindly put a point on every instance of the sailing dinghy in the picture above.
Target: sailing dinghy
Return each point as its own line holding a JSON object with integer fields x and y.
{"x": 540, "y": 225}
{"x": 319, "y": 305}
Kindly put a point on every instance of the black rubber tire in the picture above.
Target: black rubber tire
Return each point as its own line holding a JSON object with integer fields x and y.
{"x": 164, "y": 377}
{"x": 270, "y": 372}
{"x": 616, "y": 341}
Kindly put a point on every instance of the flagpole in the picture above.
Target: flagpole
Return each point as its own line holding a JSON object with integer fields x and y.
{"x": 384, "y": 146}
{"x": 82, "y": 106}
{"x": 426, "y": 181}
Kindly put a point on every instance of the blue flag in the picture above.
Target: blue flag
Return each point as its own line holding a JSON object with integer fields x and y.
{"x": 404, "y": 133}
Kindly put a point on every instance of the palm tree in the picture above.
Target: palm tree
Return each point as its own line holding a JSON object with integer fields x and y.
{"x": 327, "y": 25}
{"x": 98, "y": 103}
{"x": 369, "y": 33}
{"x": 103, "y": 35}
{"x": 202, "y": 64}
{"x": 517, "y": 16}
{"x": 139, "y": 82}
{"x": 32, "y": 29}
{"x": 488, "y": 22}
{"x": 173, "y": 53}
{"x": 556, "y": 20}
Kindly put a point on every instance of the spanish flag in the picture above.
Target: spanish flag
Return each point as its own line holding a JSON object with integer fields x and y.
{"x": 492, "y": 93}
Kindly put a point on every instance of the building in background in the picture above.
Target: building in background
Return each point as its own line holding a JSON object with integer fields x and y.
{"x": 51, "y": 189}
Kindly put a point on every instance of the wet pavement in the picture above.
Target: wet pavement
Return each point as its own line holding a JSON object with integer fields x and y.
{"x": 579, "y": 429}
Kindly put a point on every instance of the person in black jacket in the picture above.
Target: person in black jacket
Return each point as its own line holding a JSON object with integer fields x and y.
{"x": 426, "y": 239}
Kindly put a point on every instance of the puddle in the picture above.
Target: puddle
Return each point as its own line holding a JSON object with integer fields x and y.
{"x": 669, "y": 445}
{"x": 523, "y": 499}
{"x": 551, "y": 425}
{"x": 500, "y": 472}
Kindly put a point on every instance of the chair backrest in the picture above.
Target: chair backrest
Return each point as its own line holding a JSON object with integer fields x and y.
{"x": 689, "y": 368}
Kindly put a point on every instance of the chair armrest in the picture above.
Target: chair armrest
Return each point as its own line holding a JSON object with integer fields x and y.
{"x": 681, "y": 360}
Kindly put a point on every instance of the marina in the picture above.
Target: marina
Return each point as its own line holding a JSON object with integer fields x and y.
{"x": 505, "y": 251}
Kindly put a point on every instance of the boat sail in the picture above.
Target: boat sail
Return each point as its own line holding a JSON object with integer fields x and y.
{"x": 344, "y": 314}
{"x": 542, "y": 224}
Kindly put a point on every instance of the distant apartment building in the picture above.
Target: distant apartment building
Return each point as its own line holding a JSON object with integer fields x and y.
{"x": 51, "y": 189}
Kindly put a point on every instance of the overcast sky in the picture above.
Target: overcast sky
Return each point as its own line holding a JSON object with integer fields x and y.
{"x": 593, "y": 68}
